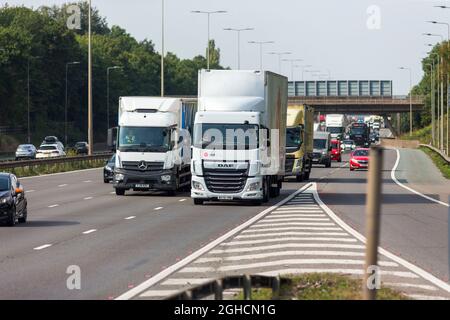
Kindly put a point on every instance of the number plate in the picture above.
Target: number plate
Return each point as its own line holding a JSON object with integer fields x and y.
{"x": 225, "y": 197}
{"x": 142, "y": 186}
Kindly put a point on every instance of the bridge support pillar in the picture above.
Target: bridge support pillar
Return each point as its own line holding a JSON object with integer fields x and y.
{"x": 389, "y": 125}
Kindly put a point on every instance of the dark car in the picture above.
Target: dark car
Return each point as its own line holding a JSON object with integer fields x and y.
{"x": 108, "y": 170}
{"x": 81, "y": 148}
{"x": 13, "y": 204}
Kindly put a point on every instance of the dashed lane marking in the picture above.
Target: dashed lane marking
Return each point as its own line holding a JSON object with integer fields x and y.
{"x": 53, "y": 206}
{"x": 45, "y": 246}
{"x": 130, "y": 217}
{"x": 158, "y": 208}
{"x": 89, "y": 231}
{"x": 88, "y": 198}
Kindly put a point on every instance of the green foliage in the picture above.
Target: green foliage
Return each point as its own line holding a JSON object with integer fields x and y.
{"x": 26, "y": 34}
{"x": 442, "y": 165}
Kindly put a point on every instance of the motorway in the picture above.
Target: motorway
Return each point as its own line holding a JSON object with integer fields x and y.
{"x": 122, "y": 242}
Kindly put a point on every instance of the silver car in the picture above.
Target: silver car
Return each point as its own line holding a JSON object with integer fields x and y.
{"x": 26, "y": 151}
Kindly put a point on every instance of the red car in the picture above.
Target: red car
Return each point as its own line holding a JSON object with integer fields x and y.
{"x": 359, "y": 159}
{"x": 336, "y": 154}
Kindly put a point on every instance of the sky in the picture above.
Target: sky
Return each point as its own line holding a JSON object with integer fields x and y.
{"x": 346, "y": 39}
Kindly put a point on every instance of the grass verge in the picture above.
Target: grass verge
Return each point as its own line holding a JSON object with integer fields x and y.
{"x": 56, "y": 168}
{"x": 323, "y": 286}
{"x": 442, "y": 165}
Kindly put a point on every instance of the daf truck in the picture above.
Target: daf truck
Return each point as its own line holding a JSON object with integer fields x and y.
{"x": 239, "y": 136}
{"x": 153, "y": 144}
{"x": 299, "y": 141}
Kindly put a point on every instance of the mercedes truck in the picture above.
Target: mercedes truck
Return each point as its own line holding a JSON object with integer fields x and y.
{"x": 153, "y": 144}
{"x": 299, "y": 141}
{"x": 239, "y": 136}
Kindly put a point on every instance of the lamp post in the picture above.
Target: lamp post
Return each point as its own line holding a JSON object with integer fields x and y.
{"x": 280, "y": 55}
{"x": 410, "y": 99}
{"x": 303, "y": 70}
{"x": 431, "y": 65}
{"x": 28, "y": 97}
{"x": 238, "y": 31}
{"x": 448, "y": 83}
{"x": 292, "y": 61}
{"x": 208, "y": 13}
{"x": 261, "y": 43}
{"x": 90, "y": 122}
{"x": 162, "y": 46}
{"x": 433, "y": 112}
{"x": 108, "y": 70}
{"x": 67, "y": 99}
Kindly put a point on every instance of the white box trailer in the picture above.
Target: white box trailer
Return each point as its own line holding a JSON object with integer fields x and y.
{"x": 232, "y": 159}
{"x": 153, "y": 144}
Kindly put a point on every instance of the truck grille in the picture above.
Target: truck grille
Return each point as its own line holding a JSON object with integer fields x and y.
{"x": 225, "y": 181}
{"x": 142, "y": 166}
{"x": 289, "y": 164}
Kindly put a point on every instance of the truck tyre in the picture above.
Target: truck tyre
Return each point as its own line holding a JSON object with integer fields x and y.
{"x": 266, "y": 191}
{"x": 120, "y": 192}
{"x": 198, "y": 202}
{"x": 172, "y": 193}
{"x": 306, "y": 175}
{"x": 300, "y": 177}
{"x": 328, "y": 165}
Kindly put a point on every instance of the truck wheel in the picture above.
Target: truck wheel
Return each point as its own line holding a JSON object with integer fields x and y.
{"x": 306, "y": 175}
{"x": 300, "y": 177}
{"x": 266, "y": 192}
{"x": 198, "y": 202}
{"x": 328, "y": 165}
{"x": 120, "y": 192}
{"x": 171, "y": 193}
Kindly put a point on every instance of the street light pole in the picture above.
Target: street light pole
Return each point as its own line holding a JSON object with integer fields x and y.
{"x": 67, "y": 99}
{"x": 279, "y": 54}
{"x": 108, "y": 70}
{"x": 162, "y": 48}
{"x": 90, "y": 122}
{"x": 208, "y": 13}
{"x": 410, "y": 99}
{"x": 238, "y": 31}
{"x": 261, "y": 43}
{"x": 431, "y": 65}
{"x": 292, "y": 61}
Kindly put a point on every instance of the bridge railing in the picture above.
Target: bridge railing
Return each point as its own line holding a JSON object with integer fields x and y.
{"x": 404, "y": 100}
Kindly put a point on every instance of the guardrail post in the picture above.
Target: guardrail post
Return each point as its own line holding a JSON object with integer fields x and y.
{"x": 276, "y": 286}
{"x": 373, "y": 219}
{"x": 247, "y": 287}
{"x": 218, "y": 290}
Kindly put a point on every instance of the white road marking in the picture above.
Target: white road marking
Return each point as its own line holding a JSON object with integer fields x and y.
{"x": 89, "y": 231}
{"x": 182, "y": 200}
{"x": 425, "y": 297}
{"x": 293, "y": 219}
{"x": 196, "y": 270}
{"x": 297, "y": 211}
{"x": 290, "y": 262}
{"x": 113, "y": 192}
{"x": 184, "y": 282}
{"x": 257, "y": 230}
{"x": 130, "y": 217}
{"x": 410, "y": 285}
{"x": 408, "y": 188}
{"x": 279, "y": 215}
{"x": 284, "y": 239}
{"x": 290, "y": 245}
{"x": 265, "y": 225}
{"x": 427, "y": 276}
{"x": 28, "y": 191}
{"x": 359, "y": 271}
{"x": 279, "y": 234}
{"x": 87, "y": 181}
{"x": 43, "y": 247}
{"x": 158, "y": 293}
{"x": 282, "y": 253}
{"x": 88, "y": 198}
{"x": 177, "y": 266}
{"x": 158, "y": 208}
{"x": 62, "y": 185}
{"x": 53, "y": 206}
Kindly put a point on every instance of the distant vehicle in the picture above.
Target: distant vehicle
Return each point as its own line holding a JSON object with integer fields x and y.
{"x": 336, "y": 151}
{"x": 348, "y": 145}
{"x": 26, "y": 151}
{"x": 322, "y": 148}
{"x": 81, "y": 147}
{"x": 108, "y": 170}
{"x": 373, "y": 137}
{"x": 50, "y": 151}
{"x": 336, "y": 124}
{"x": 13, "y": 203}
{"x": 359, "y": 132}
{"x": 52, "y": 140}
{"x": 359, "y": 159}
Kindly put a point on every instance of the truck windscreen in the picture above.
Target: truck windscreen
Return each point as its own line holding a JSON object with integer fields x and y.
{"x": 221, "y": 136}
{"x": 358, "y": 131}
{"x": 320, "y": 144}
{"x": 144, "y": 139}
{"x": 293, "y": 137}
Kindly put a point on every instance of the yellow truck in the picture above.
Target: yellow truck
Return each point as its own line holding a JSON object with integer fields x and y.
{"x": 299, "y": 141}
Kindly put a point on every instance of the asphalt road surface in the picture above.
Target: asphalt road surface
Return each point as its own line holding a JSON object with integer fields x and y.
{"x": 120, "y": 242}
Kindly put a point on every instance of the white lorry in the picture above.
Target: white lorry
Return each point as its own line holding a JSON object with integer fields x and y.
{"x": 239, "y": 145}
{"x": 336, "y": 125}
{"x": 153, "y": 144}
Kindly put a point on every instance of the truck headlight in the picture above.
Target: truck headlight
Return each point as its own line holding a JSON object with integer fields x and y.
{"x": 4, "y": 200}
{"x": 324, "y": 153}
{"x": 119, "y": 177}
{"x": 166, "y": 178}
{"x": 197, "y": 186}
{"x": 254, "y": 186}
